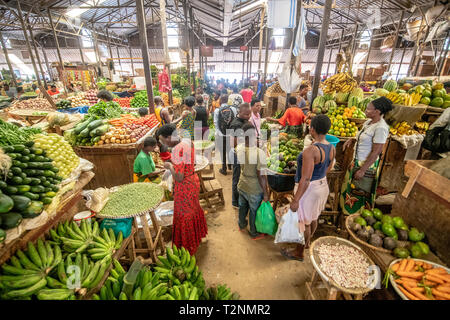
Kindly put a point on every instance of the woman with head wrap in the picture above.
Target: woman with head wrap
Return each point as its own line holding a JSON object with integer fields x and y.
{"x": 360, "y": 183}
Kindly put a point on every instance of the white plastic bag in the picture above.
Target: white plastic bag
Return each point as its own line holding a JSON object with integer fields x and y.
{"x": 289, "y": 81}
{"x": 288, "y": 229}
{"x": 167, "y": 181}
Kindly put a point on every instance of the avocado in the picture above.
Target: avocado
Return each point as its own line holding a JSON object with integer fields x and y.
{"x": 401, "y": 253}
{"x": 363, "y": 234}
{"x": 376, "y": 240}
{"x": 389, "y": 243}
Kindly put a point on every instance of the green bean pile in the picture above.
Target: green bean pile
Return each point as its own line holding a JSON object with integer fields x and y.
{"x": 11, "y": 134}
{"x": 132, "y": 199}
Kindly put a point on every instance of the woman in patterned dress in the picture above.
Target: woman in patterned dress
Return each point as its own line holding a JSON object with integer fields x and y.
{"x": 188, "y": 118}
{"x": 189, "y": 224}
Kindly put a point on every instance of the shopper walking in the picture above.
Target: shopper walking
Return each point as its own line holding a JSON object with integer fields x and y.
{"x": 189, "y": 224}
{"x": 255, "y": 117}
{"x": 236, "y": 131}
{"x": 235, "y": 99}
{"x": 188, "y": 117}
{"x": 252, "y": 186}
{"x": 201, "y": 115}
{"x": 247, "y": 93}
{"x": 161, "y": 112}
{"x": 310, "y": 198}
{"x": 361, "y": 180}
{"x": 215, "y": 104}
{"x": 223, "y": 117}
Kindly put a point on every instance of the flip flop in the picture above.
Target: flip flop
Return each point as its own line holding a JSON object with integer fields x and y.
{"x": 289, "y": 256}
{"x": 259, "y": 237}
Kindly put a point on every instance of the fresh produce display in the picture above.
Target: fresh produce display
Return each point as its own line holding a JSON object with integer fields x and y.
{"x": 30, "y": 184}
{"x": 346, "y": 265}
{"x": 340, "y": 82}
{"x": 384, "y": 231}
{"x": 340, "y": 123}
{"x": 63, "y": 104}
{"x": 106, "y": 110}
{"x": 390, "y": 85}
{"x": 123, "y": 135}
{"x": 127, "y": 119}
{"x": 79, "y": 100}
{"x": 91, "y": 97}
{"x": 403, "y": 98}
{"x": 419, "y": 280}
{"x": 432, "y": 95}
{"x": 32, "y": 104}
{"x": 422, "y": 126}
{"x": 88, "y": 131}
{"x": 140, "y": 100}
{"x": 124, "y": 203}
{"x": 274, "y": 89}
{"x": 124, "y": 102}
{"x": 58, "y": 149}
{"x": 284, "y": 152}
{"x": 175, "y": 100}
{"x": 354, "y": 112}
{"x": 176, "y": 277}
{"x": 45, "y": 270}
{"x": 11, "y": 134}
{"x": 402, "y": 128}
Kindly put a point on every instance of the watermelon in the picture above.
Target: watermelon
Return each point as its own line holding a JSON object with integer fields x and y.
{"x": 447, "y": 97}
{"x": 390, "y": 85}
{"x": 446, "y": 104}
{"x": 358, "y": 92}
{"x": 353, "y": 101}
{"x": 426, "y": 93}
{"x": 439, "y": 93}
{"x": 319, "y": 101}
{"x": 437, "y": 102}
{"x": 381, "y": 92}
{"x": 425, "y": 100}
{"x": 341, "y": 98}
{"x": 330, "y": 105}
{"x": 363, "y": 104}
{"x": 328, "y": 96}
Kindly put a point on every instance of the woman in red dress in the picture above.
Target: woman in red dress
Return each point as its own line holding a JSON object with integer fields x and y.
{"x": 189, "y": 224}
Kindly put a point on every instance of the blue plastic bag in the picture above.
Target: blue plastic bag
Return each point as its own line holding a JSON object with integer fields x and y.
{"x": 266, "y": 221}
{"x": 118, "y": 225}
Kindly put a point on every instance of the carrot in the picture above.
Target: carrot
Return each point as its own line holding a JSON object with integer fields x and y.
{"x": 419, "y": 263}
{"x": 427, "y": 266}
{"x": 417, "y": 289}
{"x": 445, "y": 278}
{"x": 440, "y": 294}
{"x": 434, "y": 278}
{"x": 412, "y": 274}
{"x": 412, "y": 282}
{"x": 395, "y": 267}
{"x": 429, "y": 283}
{"x": 443, "y": 289}
{"x": 409, "y": 265}
{"x": 407, "y": 294}
{"x": 415, "y": 293}
{"x": 402, "y": 265}
{"x": 436, "y": 270}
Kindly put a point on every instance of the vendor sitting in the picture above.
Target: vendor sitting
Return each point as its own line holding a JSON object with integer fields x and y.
{"x": 144, "y": 166}
{"x": 53, "y": 90}
{"x": 293, "y": 117}
{"x": 105, "y": 95}
{"x": 143, "y": 112}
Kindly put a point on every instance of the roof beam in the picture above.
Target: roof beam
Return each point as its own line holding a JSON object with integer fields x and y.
{"x": 227, "y": 15}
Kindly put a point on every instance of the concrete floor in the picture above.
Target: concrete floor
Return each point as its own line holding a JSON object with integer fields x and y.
{"x": 254, "y": 269}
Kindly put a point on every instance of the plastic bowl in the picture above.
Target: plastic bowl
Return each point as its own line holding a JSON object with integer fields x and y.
{"x": 84, "y": 215}
{"x": 332, "y": 140}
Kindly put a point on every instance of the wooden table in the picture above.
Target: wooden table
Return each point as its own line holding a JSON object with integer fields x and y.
{"x": 209, "y": 187}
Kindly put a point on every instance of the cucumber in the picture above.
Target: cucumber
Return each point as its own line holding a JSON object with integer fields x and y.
{"x": 3, "y": 185}
{"x": 8, "y": 149}
{"x": 82, "y": 125}
{"x": 46, "y": 184}
{"x": 6, "y": 203}
{"x": 20, "y": 202}
{"x": 49, "y": 173}
{"x": 15, "y": 170}
{"x": 39, "y": 158}
{"x": 84, "y": 133}
{"x": 26, "y": 180}
{"x": 23, "y": 188}
{"x": 16, "y": 180}
{"x": 25, "y": 158}
{"x": 94, "y": 124}
{"x": 18, "y": 148}
{"x": 31, "y": 196}
{"x": 100, "y": 130}
{"x": 11, "y": 190}
{"x": 29, "y": 144}
{"x": 26, "y": 151}
{"x": 38, "y": 151}
{"x": 37, "y": 189}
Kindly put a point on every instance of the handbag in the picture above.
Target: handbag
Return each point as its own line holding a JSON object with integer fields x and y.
{"x": 437, "y": 139}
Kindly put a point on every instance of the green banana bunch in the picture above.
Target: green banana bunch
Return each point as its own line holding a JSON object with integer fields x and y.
{"x": 27, "y": 273}
{"x": 105, "y": 244}
{"x": 221, "y": 292}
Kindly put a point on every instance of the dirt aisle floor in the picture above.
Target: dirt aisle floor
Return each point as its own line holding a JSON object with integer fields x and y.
{"x": 254, "y": 269}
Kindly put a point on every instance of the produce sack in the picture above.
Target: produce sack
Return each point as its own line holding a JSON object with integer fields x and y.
{"x": 288, "y": 229}
{"x": 167, "y": 181}
{"x": 266, "y": 221}
{"x": 118, "y": 225}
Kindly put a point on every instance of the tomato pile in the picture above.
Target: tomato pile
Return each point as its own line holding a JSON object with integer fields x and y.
{"x": 124, "y": 102}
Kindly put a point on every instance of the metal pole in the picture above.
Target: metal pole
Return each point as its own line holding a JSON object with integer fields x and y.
{"x": 353, "y": 47}
{"x": 131, "y": 59}
{"x": 27, "y": 40}
{"x": 58, "y": 51}
{"x": 339, "y": 49}
{"x": 266, "y": 60}
{"x": 37, "y": 55}
{"x": 395, "y": 41}
{"x": 329, "y": 60}
{"x": 413, "y": 56}
{"x": 120, "y": 61}
{"x": 251, "y": 62}
{"x": 97, "y": 52}
{"x": 191, "y": 44}
{"x": 49, "y": 69}
{"x": 444, "y": 57}
{"x": 110, "y": 54}
{"x": 140, "y": 15}
{"x": 261, "y": 32}
{"x": 162, "y": 13}
{"x": 401, "y": 62}
{"x": 248, "y": 63}
{"x": 188, "y": 62}
{"x": 368, "y": 54}
{"x": 321, "y": 51}
{"x": 80, "y": 44}
{"x": 5, "y": 52}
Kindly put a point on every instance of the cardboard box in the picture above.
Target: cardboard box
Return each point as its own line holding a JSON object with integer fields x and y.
{"x": 378, "y": 72}
{"x": 140, "y": 72}
{"x": 425, "y": 70}
{"x": 271, "y": 105}
{"x": 281, "y": 102}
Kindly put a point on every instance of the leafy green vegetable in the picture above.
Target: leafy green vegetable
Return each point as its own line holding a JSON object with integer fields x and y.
{"x": 106, "y": 110}
{"x": 11, "y": 134}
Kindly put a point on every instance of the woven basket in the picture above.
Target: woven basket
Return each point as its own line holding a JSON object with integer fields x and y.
{"x": 348, "y": 223}
{"x": 137, "y": 214}
{"x": 316, "y": 262}
{"x": 201, "y": 162}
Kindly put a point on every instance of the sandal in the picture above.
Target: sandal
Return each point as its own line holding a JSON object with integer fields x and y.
{"x": 259, "y": 237}
{"x": 289, "y": 256}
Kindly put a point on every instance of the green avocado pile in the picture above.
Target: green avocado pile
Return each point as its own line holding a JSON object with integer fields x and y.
{"x": 284, "y": 152}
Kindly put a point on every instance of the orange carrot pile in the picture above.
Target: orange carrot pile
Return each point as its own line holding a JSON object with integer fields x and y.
{"x": 124, "y": 118}
{"x": 419, "y": 280}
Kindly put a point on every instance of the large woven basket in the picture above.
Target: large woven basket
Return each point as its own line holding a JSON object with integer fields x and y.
{"x": 316, "y": 262}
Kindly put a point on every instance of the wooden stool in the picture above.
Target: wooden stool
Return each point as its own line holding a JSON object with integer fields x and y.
{"x": 334, "y": 179}
{"x": 211, "y": 189}
{"x": 332, "y": 293}
{"x": 278, "y": 196}
{"x": 152, "y": 244}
